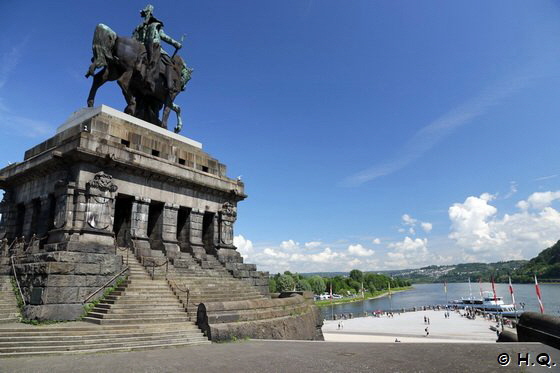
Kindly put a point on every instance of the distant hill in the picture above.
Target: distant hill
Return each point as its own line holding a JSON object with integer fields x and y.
{"x": 546, "y": 265}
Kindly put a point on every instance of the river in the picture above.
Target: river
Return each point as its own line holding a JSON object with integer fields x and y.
{"x": 432, "y": 294}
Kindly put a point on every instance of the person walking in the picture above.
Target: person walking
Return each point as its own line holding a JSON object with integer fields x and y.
{"x": 427, "y": 332}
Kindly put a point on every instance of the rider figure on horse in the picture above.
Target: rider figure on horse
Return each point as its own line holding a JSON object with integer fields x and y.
{"x": 150, "y": 33}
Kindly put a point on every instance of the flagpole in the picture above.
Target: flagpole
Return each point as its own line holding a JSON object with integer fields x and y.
{"x": 539, "y": 296}
{"x": 445, "y": 289}
{"x": 390, "y": 302}
{"x": 512, "y": 299}
{"x": 332, "y": 309}
{"x": 363, "y": 301}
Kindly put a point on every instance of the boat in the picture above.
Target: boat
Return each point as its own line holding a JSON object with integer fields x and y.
{"x": 488, "y": 303}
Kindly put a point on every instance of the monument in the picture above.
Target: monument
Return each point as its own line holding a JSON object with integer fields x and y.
{"x": 109, "y": 180}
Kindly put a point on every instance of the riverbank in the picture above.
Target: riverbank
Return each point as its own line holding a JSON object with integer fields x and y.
{"x": 410, "y": 327}
{"x": 368, "y": 296}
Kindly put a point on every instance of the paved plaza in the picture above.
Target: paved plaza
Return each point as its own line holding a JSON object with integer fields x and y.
{"x": 410, "y": 327}
{"x": 292, "y": 356}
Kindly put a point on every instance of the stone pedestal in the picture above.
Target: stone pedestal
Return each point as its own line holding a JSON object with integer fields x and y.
{"x": 105, "y": 174}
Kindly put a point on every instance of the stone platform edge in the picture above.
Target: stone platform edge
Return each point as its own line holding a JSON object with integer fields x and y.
{"x": 84, "y": 114}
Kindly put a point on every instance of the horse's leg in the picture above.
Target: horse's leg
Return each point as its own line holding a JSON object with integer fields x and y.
{"x": 124, "y": 83}
{"x": 177, "y": 109}
{"x": 98, "y": 80}
{"x": 165, "y": 116}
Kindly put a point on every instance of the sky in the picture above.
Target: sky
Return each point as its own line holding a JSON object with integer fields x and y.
{"x": 370, "y": 135}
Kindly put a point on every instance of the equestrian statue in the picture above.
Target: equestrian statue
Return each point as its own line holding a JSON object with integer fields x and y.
{"x": 149, "y": 78}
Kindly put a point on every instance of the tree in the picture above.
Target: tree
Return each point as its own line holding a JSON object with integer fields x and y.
{"x": 272, "y": 285}
{"x": 303, "y": 285}
{"x": 285, "y": 283}
{"x": 357, "y": 275}
{"x": 317, "y": 284}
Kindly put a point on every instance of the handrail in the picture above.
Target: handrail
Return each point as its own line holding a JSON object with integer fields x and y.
{"x": 188, "y": 291}
{"x": 124, "y": 249}
{"x": 105, "y": 285}
{"x": 153, "y": 265}
{"x": 33, "y": 239}
{"x": 17, "y": 281}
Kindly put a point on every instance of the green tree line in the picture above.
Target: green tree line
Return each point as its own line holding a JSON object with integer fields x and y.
{"x": 340, "y": 284}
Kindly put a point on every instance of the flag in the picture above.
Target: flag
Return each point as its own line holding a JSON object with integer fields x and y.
{"x": 331, "y": 291}
{"x": 480, "y": 286}
{"x": 389, "y": 285}
{"x": 494, "y": 290}
{"x": 511, "y": 292}
{"x": 539, "y": 297}
{"x": 445, "y": 286}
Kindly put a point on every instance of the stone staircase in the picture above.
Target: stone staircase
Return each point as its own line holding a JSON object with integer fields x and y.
{"x": 82, "y": 337}
{"x": 207, "y": 281}
{"x": 140, "y": 314}
{"x": 9, "y": 311}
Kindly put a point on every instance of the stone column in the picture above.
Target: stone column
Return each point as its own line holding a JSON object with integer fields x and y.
{"x": 7, "y": 211}
{"x": 195, "y": 236}
{"x": 226, "y": 251}
{"x": 63, "y": 212}
{"x": 169, "y": 231}
{"x": 139, "y": 226}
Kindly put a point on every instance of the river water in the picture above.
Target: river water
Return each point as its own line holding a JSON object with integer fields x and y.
{"x": 433, "y": 294}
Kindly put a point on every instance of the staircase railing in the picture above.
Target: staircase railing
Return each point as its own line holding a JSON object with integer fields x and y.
{"x": 17, "y": 281}
{"x": 187, "y": 290}
{"x": 105, "y": 285}
{"x": 154, "y": 266}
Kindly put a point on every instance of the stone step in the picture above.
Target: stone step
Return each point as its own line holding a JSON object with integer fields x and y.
{"x": 28, "y": 337}
{"x": 113, "y": 309}
{"x": 139, "y": 302}
{"x": 139, "y": 297}
{"x": 87, "y": 338}
{"x": 110, "y": 349}
{"x": 142, "y": 315}
{"x": 135, "y": 320}
{"x": 95, "y": 329}
{"x": 102, "y": 345}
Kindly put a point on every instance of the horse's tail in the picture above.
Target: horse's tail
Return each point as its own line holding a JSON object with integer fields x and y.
{"x": 103, "y": 42}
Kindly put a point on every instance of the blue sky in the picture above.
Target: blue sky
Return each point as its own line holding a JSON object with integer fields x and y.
{"x": 370, "y": 134}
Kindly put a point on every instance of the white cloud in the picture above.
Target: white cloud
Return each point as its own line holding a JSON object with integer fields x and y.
{"x": 408, "y": 220}
{"x": 376, "y": 241}
{"x": 244, "y": 246}
{"x": 427, "y": 227}
{"x": 512, "y": 189}
{"x": 539, "y": 200}
{"x": 412, "y": 253}
{"x": 428, "y": 136}
{"x": 359, "y": 250}
{"x": 289, "y": 245}
{"x": 312, "y": 244}
{"x": 482, "y": 234}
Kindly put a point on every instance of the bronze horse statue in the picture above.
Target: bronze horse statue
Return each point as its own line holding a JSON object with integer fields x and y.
{"x": 123, "y": 59}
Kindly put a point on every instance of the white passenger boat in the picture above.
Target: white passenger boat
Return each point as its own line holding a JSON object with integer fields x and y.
{"x": 487, "y": 304}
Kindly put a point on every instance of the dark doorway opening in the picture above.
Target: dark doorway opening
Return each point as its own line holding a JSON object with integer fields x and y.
{"x": 183, "y": 228}
{"x": 208, "y": 232}
{"x": 123, "y": 215}
{"x": 35, "y": 217}
{"x": 155, "y": 225}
